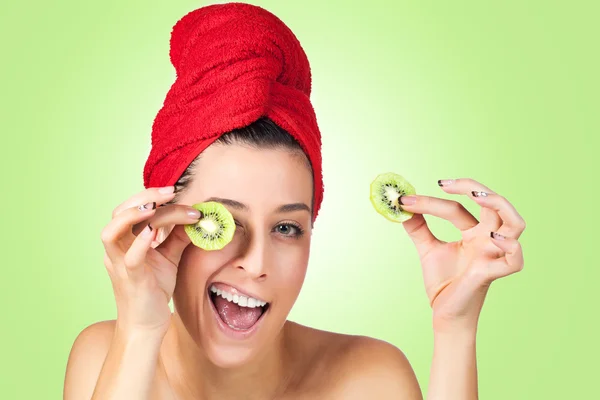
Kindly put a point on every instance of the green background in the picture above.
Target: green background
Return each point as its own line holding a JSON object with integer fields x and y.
{"x": 505, "y": 93}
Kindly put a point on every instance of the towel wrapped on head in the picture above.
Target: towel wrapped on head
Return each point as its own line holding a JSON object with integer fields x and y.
{"x": 235, "y": 63}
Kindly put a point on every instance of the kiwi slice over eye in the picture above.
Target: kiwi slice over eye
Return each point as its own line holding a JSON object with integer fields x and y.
{"x": 215, "y": 229}
{"x": 386, "y": 190}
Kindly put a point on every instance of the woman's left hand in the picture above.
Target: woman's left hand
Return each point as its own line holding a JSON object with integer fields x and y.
{"x": 457, "y": 275}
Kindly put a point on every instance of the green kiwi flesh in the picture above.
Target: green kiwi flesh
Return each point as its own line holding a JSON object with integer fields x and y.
{"x": 215, "y": 229}
{"x": 386, "y": 190}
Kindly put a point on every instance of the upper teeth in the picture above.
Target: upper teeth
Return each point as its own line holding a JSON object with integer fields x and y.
{"x": 242, "y": 301}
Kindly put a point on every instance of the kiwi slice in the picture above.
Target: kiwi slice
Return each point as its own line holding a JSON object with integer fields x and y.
{"x": 215, "y": 229}
{"x": 386, "y": 190}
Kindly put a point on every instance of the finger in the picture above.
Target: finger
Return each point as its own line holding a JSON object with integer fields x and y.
{"x": 173, "y": 246}
{"x": 512, "y": 222}
{"x": 512, "y": 261}
{"x": 159, "y": 195}
{"x": 117, "y": 235}
{"x": 109, "y": 265}
{"x": 170, "y": 214}
{"x": 466, "y": 186}
{"x": 134, "y": 260}
{"x": 450, "y": 210}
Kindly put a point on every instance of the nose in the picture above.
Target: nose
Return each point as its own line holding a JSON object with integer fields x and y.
{"x": 254, "y": 258}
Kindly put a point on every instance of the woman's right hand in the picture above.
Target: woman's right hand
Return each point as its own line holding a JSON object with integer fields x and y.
{"x": 143, "y": 277}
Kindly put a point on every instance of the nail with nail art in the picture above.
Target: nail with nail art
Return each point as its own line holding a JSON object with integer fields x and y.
{"x": 497, "y": 236}
{"x": 147, "y": 206}
{"x": 476, "y": 193}
{"x": 445, "y": 182}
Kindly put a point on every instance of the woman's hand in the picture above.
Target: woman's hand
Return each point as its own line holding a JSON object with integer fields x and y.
{"x": 144, "y": 277}
{"x": 457, "y": 275}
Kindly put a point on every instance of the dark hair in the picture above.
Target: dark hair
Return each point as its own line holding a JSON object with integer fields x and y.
{"x": 263, "y": 133}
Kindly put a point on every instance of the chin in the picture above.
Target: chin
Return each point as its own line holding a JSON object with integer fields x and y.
{"x": 227, "y": 356}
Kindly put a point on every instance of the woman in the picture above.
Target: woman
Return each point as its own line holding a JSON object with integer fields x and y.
{"x": 237, "y": 128}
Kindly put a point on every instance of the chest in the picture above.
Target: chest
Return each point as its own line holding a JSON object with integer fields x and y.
{"x": 307, "y": 390}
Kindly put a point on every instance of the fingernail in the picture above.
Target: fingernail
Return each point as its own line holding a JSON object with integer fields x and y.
{"x": 147, "y": 231}
{"x": 498, "y": 236}
{"x": 166, "y": 190}
{"x": 445, "y": 182}
{"x": 193, "y": 213}
{"x": 475, "y": 193}
{"x": 147, "y": 206}
{"x": 407, "y": 200}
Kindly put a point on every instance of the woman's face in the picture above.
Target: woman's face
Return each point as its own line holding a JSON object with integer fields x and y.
{"x": 269, "y": 193}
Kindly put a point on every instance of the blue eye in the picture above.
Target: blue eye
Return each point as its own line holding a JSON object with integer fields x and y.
{"x": 290, "y": 230}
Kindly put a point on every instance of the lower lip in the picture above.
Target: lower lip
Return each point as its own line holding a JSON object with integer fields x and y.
{"x": 233, "y": 333}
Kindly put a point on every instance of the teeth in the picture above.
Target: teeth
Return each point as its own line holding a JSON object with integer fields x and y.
{"x": 242, "y": 301}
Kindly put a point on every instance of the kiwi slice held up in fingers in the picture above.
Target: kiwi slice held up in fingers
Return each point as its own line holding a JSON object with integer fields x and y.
{"x": 215, "y": 229}
{"x": 386, "y": 190}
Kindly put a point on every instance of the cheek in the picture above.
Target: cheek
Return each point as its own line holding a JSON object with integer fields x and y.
{"x": 291, "y": 262}
{"x": 197, "y": 267}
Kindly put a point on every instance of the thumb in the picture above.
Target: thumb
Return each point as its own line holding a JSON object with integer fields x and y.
{"x": 419, "y": 232}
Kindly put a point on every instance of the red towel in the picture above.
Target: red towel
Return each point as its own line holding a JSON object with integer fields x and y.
{"x": 235, "y": 63}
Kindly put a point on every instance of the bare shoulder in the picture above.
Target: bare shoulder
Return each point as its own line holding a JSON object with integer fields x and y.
{"x": 356, "y": 367}
{"x": 372, "y": 367}
{"x": 86, "y": 358}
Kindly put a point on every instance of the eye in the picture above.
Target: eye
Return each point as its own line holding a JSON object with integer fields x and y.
{"x": 239, "y": 227}
{"x": 285, "y": 229}
{"x": 289, "y": 230}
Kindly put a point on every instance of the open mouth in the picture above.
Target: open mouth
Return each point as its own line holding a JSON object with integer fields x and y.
{"x": 238, "y": 312}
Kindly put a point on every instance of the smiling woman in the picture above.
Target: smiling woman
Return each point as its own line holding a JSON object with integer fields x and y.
{"x": 229, "y": 336}
{"x": 262, "y": 176}
{"x": 237, "y": 128}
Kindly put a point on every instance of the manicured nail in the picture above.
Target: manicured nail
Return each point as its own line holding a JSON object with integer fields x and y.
{"x": 147, "y": 206}
{"x": 193, "y": 213}
{"x": 498, "y": 236}
{"x": 445, "y": 182}
{"x": 166, "y": 190}
{"x": 475, "y": 193}
{"x": 407, "y": 200}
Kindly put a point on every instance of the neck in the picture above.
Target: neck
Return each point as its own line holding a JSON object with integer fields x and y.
{"x": 191, "y": 373}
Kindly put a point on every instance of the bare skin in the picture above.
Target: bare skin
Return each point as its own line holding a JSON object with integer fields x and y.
{"x": 319, "y": 365}
{"x": 149, "y": 353}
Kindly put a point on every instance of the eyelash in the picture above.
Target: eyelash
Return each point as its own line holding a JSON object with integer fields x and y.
{"x": 298, "y": 228}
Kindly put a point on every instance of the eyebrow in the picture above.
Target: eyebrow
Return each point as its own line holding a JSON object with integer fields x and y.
{"x": 293, "y": 207}
{"x": 286, "y": 208}
{"x": 228, "y": 202}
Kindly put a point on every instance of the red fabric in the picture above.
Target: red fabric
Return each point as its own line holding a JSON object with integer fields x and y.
{"x": 235, "y": 63}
